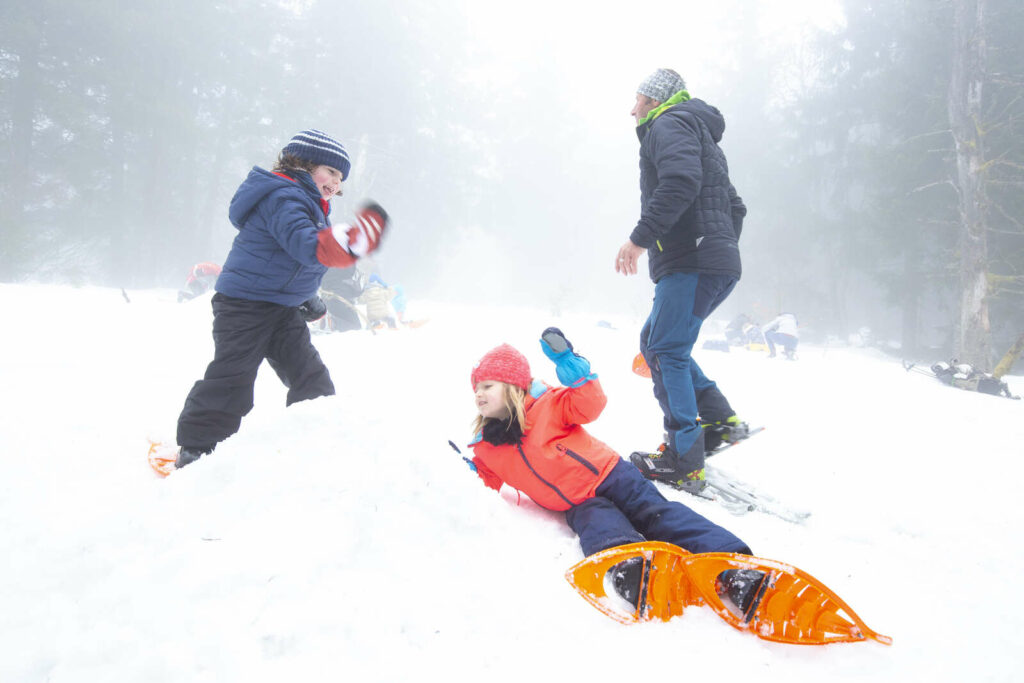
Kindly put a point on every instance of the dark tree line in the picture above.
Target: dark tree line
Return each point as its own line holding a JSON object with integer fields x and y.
{"x": 885, "y": 171}
{"x": 899, "y": 171}
{"x": 128, "y": 125}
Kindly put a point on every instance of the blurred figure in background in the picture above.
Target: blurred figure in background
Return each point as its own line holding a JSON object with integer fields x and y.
{"x": 783, "y": 331}
{"x": 200, "y": 280}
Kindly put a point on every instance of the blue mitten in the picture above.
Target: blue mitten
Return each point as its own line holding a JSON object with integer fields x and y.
{"x": 572, "y": 369}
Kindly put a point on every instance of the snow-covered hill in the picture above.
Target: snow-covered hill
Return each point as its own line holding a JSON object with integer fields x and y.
{"x": 343, "y": 539}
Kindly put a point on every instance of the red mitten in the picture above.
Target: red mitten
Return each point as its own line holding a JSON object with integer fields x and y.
{"x": 340, "y": 246}
{"x": 364, "y": 237}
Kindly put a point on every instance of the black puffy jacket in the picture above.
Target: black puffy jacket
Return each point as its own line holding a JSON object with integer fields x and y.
{"x": 691, "y": 216}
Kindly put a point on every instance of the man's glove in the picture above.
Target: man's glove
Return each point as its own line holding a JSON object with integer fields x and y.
{"x": 364, "y": 235}
{"x": 313, "y": 309}
{"x": 572, "y": 369}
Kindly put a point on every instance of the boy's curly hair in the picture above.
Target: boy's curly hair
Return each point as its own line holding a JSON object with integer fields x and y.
{"x": 289, "y": 164}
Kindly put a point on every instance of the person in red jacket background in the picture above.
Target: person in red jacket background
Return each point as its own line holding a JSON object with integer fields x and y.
{"x": 530, "y": 436}
{"x": 199, "y": 281}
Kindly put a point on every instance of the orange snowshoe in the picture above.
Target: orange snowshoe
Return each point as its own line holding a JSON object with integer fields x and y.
{"x": 162, "y": 457}
{"x": 773, "y": 600}
{"x": 640, "y": 366}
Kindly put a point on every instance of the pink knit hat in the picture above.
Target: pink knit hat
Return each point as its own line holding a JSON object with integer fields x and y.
{"x": 504, "y": 364}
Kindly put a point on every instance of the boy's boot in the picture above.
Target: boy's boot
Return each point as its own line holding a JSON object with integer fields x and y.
{"x": 741, "y": 590}
{"x": 189, "y": 454}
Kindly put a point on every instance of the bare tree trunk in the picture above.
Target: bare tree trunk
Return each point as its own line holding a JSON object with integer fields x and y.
{"x": 19, "y": 164}
{"x": 1006, "y": 364}
{"x": 965, "y": 99}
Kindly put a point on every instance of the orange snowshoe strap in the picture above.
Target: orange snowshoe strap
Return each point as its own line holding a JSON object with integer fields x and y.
{"x": 792, "y": 606}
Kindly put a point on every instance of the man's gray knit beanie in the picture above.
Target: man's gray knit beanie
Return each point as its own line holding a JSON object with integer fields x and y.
{"x": 662, "y": 84}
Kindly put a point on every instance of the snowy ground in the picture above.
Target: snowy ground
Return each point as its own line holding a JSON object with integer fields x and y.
{"x": 342, "y": 539}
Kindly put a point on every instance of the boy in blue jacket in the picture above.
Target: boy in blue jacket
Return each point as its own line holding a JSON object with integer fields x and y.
{"x": 266, "y": 292}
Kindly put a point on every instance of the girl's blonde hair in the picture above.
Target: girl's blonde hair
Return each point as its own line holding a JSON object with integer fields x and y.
{"x": 514, "y": 399}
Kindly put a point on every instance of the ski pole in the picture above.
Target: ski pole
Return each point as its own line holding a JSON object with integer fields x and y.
{"x": 470, "y": 462}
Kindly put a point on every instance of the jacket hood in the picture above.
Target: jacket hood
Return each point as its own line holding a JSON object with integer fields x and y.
{"x": 257, "y": 185}
{"x": 681, "y": 103}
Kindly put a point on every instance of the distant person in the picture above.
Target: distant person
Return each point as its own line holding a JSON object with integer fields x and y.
{"x": 736, "y": 330}
{"x": 379, "y": 312}
{"x": 689, "y": 226}
{"x": 783, "y": 331}
{"x": 398, "y": 301}
{"x": 200, "y": 279}
{"x": 967, "y": 377}
{"x": 339, "y": 289}
{"x": 268, "y": 288}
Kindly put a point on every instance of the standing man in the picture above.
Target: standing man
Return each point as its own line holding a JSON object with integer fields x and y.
{"x": 690, "y": 223}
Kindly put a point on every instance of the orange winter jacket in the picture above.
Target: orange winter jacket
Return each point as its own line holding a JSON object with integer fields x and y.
{"x": 557, "y": 463}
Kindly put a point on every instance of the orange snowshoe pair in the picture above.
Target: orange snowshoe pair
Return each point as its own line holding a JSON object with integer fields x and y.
{"x": 773, "y": 600}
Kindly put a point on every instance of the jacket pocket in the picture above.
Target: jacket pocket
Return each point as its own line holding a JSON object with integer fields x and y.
{"x": 578, "y": 458}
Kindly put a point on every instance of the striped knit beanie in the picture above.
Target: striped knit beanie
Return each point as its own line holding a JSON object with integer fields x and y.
{"x": 661, "y": 85}
{"x": 504, "y": 364}
{"x": 319, "y": 148}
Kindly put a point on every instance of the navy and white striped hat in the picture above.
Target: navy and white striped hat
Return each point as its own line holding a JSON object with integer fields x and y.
{"x": 319, "y": 148}
{"x": 661, "y": 85}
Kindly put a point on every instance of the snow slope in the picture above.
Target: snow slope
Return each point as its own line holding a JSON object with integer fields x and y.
{"x": 343, "y": 539}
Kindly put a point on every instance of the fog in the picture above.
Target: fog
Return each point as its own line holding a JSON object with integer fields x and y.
{"x": 499, "y": 139}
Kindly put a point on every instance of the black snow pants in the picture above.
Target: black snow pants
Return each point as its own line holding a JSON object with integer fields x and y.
{"x": 244, "y": 334}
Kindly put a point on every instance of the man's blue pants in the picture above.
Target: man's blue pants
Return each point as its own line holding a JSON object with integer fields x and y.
{"x": 682, "y": 301}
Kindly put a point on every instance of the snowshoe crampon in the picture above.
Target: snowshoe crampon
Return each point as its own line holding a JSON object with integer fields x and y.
{"x": 161, "y": 457}
{"x": 772, "y": 600}
{"x": 640, "y": 366}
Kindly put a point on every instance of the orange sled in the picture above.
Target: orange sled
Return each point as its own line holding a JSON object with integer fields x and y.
{"x": 640, "y": 366}
{"x": 161, "y": 457}
{"x": 792, "y": 606}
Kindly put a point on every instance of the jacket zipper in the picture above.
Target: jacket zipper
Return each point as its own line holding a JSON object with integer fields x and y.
{"x": 554, "y": 488}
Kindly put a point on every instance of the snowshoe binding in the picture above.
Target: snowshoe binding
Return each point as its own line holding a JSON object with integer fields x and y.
{"x": 626, "y": 579}
{"x": 741, "y": 591}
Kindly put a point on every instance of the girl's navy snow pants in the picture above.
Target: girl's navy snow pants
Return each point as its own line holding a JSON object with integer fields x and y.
{"x": 628, "y": 508}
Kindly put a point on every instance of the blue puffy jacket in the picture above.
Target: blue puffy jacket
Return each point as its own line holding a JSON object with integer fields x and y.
{"x": 691, "y": 216}
{"x": 273, "y": 257}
